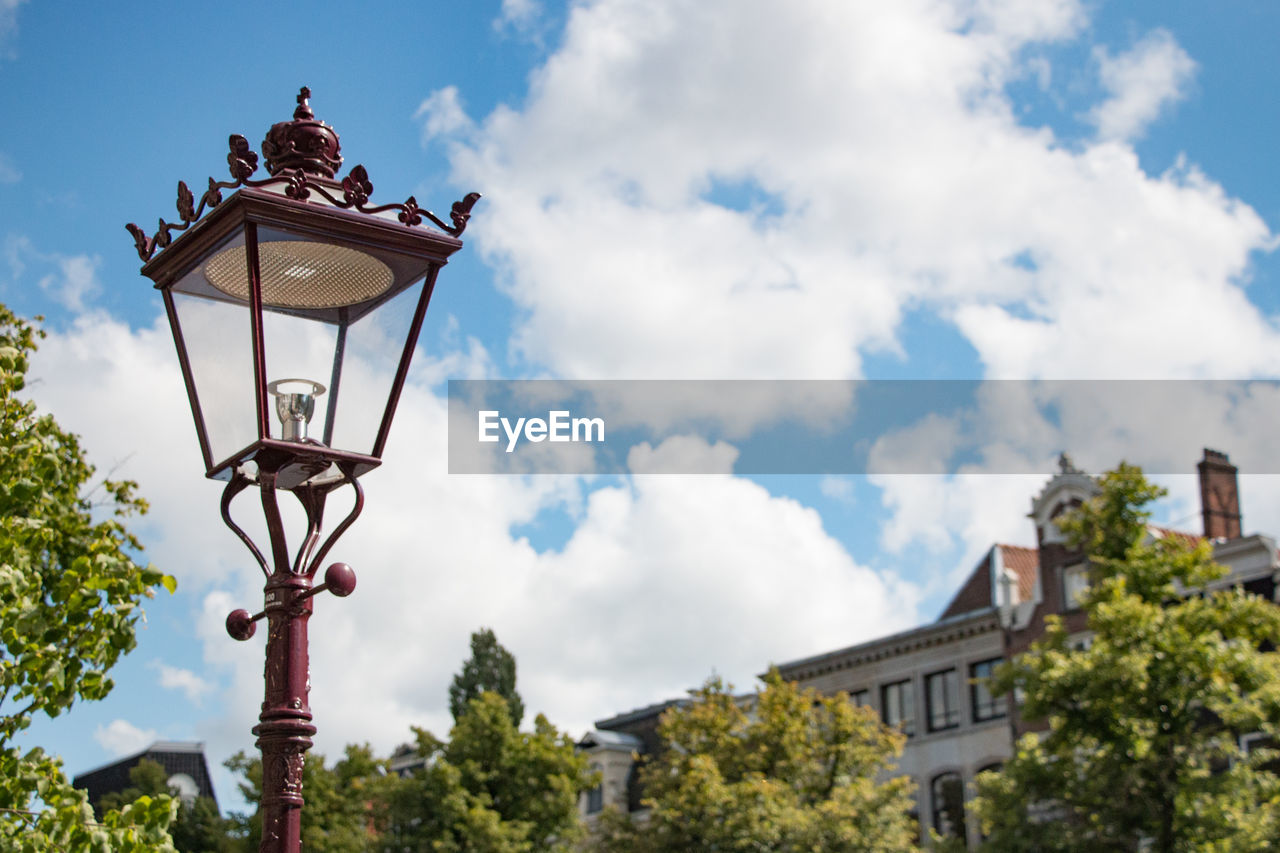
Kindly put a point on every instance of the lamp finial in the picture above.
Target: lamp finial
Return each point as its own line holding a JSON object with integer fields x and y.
{"x": 304, "y": 144}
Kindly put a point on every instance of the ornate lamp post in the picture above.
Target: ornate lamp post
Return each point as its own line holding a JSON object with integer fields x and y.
{"x": 293, "y": 292}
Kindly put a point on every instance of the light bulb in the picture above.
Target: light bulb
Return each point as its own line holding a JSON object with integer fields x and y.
{"x": 295, "y": 404}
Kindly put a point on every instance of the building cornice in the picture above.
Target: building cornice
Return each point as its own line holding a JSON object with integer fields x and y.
{"x": 934, "y": 634}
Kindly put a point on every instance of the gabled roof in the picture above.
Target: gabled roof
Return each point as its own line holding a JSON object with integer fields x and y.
{"x": 975, "y": 592}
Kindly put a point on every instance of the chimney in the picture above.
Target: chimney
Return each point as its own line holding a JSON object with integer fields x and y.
{"x": 1219, "y": 496}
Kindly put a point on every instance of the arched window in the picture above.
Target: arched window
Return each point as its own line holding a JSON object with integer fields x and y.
{"x": 946, "y": 795}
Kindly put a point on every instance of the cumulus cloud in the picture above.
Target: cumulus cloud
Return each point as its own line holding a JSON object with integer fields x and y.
{"x": 191, "y": 685}
{"x": 121, "y": 737}
{"x": 442, "y": 113}
{"x": 75, "y": 281}
{"x": 1140, "y": 83}
{"x": 8, "y": 25}
{"x": 70, "y": 280}
{"x": 9, "y": 173}
{"x": 518, "y": 15}
{"x": 887, "y": 171}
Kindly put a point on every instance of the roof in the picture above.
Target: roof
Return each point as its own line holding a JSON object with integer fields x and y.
{"x": 975, "y": 592}
{"x": 647, "y": 711}
{"x": 176, "y": 757}
{"x": 607, "y": 738}
{"x": 1189, "y": 539}
{"x": 1024, "y": 563}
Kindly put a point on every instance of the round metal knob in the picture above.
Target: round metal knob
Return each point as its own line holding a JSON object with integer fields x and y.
{"x": 240, "y": 625}
{"x": 340, "y": 579}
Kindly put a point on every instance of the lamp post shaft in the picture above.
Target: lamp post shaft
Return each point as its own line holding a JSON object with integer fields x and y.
{"x": 284, "y": 728}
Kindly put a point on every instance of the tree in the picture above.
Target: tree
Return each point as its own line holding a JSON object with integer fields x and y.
{"x": 786, "y": 770}
{"x": 69, "y": 595}
{"x": 490, "y": 667}
{"x": 344, "y": 803}
{"x": 491, "y": 788}
{"x": 1141, "y": 748}
{"x": 197, "y": 828}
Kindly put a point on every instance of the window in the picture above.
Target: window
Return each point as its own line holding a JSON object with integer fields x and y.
{"x": 946, "y": 794}
{"x": 985, "y": 705}
{"x": 942, "y": 694}
{"x": 898, "y": 706}
{"x": 1080, "y": 642}
{"x": 860, "y": 698}
{"x": 595, "y": 797}
{"x": 1075, "y": 581}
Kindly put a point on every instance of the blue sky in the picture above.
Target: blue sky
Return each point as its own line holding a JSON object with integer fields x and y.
{"x": 673, "y": 190}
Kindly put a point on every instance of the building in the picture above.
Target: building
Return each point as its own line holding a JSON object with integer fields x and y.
{"x": 927, "y": 680}
{"x": 188, "y": 772}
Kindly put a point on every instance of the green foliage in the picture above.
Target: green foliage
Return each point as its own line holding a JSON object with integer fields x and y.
{"x": 344, "y": 803}
{"x": 69, "y": 595}
{"x": 197, "y": 828}
{"x": 787, "y": 771}
{"x": 491, "y": 788}
{"x": 490, "y": 668}
{"x": 1141, "y": 746}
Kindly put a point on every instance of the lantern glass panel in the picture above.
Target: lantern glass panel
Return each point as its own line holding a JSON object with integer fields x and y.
{"x": 220, "y": 353}
{"x": 373, "y": 350}
{"x": 306, "y": 350}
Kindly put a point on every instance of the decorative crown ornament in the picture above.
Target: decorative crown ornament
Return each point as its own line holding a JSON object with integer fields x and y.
{"x": 304, "y": 144}
{"x": 295, "y": 150}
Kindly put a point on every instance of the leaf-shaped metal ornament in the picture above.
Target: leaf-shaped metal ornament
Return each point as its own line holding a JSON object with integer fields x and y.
{"x": 243, "y": 160}
{"x": 212, "y": 196}
{"x": 140, "y": 241}
{"x": 461, "y": 212}
{"x": 409, "y": 214}
{"x": 186, "y": 202}
{"x": 356, "y": 188}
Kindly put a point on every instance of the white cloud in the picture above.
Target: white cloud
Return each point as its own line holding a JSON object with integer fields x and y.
{"x": 193, "y": 686}
{"x": 9, "y": 173}
{"x": 120, "y": 737}
{"x": 1140, "y": 83}
{"x": 519, "y": 15}
{"x": 16, "y": 249}
{"x": 8, "y": 25}
{"x": 441, "y": 114}
{"x": 895, "y": 176}
{"x": 70, "y": 280}
{"x": 75, "y": 282}
{"x": 837, "y": 488}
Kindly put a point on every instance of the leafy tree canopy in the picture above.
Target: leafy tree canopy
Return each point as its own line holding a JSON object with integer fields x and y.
{"x": 491, "y": 667}
{"x": 198, "y": 828}
{"x": 69, "y": 594}
{"x": 491, "y": 788}
{"x": 1141, "y": 748}
{"x": 783, "y": 770}
{"x": 343, "y": 803}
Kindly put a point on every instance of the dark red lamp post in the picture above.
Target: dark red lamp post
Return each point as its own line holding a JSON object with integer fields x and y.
{"x": 295, "y": 307}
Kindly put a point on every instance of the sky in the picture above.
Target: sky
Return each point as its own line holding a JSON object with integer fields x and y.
{"x": 672, "y": 190}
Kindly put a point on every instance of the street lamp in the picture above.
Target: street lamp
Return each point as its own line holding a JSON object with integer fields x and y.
{"x": 295, "y": 307}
